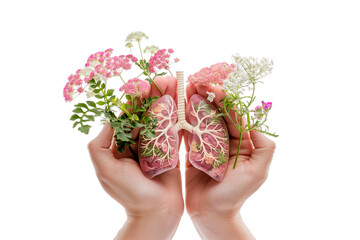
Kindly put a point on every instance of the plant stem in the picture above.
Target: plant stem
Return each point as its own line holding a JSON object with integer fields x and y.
{"x": 121, "y": 78}
{"x": 238, "y": 150}
{"x": 106, "y": 101}
{"x": 140, "y": 50}
{"x": 158, "y": 88}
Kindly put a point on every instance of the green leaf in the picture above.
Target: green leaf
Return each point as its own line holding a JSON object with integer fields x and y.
{"x": 96, "y": 111}
{"x": 84, "y": 129}
{"x": 99, "y": 96}
{"x": 90, "y": 117}
{"x": 128, "y": 97}
{"x": 82, "y": 105}
{"x": 112, "y": 98}
{"x": 91, "y": 104}
{"x": 74, "y": 117}
{"x": 109, "y": 92}
{"x": 116, "y": 124}
{"x": 75, "y": 124}
{"x": 123, "y": 136}
{"x": 96, "y": 91}
{"x": 103, "y": 86}
{"x": 92, "y": 81}
{"x": 78, "y": 110}
{"x": 135, "y": 117}
{"x": 100, "y": 103}
{"x": 120, "y": 149}
{"x": 110, "y": 115}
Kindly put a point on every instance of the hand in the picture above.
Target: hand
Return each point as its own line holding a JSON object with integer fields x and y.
{"x": 154, "y": 206}
{"x": 214, "y": 206}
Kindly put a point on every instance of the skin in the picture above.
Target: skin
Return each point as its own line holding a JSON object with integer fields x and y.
{"x": 154, "y": 206}
{"x": 213, "y": 206}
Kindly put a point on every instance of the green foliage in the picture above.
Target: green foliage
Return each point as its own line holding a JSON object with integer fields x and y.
{"x": 84, "y": 112}
{"x": 134, "y": 117}
{"x": 106, "y": 105}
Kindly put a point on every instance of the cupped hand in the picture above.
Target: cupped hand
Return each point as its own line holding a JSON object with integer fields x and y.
{"x": 121, "y": 177}
{"x": 208, "y": 197}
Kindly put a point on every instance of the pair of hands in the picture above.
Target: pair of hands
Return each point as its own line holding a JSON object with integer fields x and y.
{"x": 154, "y": 206}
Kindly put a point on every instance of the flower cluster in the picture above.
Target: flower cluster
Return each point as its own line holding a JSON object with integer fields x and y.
{"x": 99, "y": 66}
{"x": 214, "y": 74}
{"x": 106, "y": 66}
{"x": 261, "y": 111}
{"x": 136, "y": 87}
{"x": 135, "y": 36}
{"x": 161, "y": 60}
{"x": 247, "y": 72}
{"x": 151, "y": 49}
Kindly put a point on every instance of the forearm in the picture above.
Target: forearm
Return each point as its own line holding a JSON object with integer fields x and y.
{"x": 214, "y": 228}
{"x": 154, "y": 227}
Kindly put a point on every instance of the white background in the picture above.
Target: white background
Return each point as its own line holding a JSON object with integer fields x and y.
{"x": 47, "y": 183}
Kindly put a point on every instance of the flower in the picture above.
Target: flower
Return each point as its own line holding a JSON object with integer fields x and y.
{"x": 266, "y": 105}
{"x": 136, "y": 36}
{"x": 247, "y": 71}
{"x": 136, "y": 87}
{"x": 211, "y": 96}
{"x": 261, "y": 111}
{"x": 215, "y": 74}
{"x": 151, "y": 49}
{"x": 160, "y": 60}
{"x": 129, "y": 45}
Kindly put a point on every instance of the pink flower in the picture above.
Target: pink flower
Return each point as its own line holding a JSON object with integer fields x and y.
{"x": 68, "y": 92}
{"x": 136, "y": 87}
{"x": 160, "y": 60}
{"x": 266, "y": 105}
{"x": 214, "y": 74}
{"x": 100, "y": 65}
{"x": 261, "y": 111}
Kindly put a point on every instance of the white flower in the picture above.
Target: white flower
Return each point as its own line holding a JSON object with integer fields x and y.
{"x": 129, "y": 45}
{"x": 136, "y": 36}
{"x": 247, "y": 71}
{"x": 211, "y": 96}
{"x": 85, "y": 72}
{"x": 151, "y": 49}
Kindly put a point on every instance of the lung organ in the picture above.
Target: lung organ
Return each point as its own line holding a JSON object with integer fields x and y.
{"x": 160, "y": 153}
{"x": 209, "y": 143}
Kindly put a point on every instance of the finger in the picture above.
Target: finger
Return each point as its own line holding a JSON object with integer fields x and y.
{"x": 99, "y": 148}
{"x": 171, "y": 87}
{"x": 190, "y": 90}
{"x": 162, "y": 83}
{"x": 246, "y": 147}
{"x": 263, "y": 148}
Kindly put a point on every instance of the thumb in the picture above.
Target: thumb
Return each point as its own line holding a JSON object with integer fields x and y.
{"x": 99, "y": 148}
{"x": 264, "y": 148}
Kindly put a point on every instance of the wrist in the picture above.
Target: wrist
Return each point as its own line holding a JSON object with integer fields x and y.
{"x": 212, "y": 226}
{"x": 157, "y": 226}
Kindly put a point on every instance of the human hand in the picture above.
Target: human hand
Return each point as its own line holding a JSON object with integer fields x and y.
{"x": 153, "y": 206}
{"x": 214, "y": 206}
